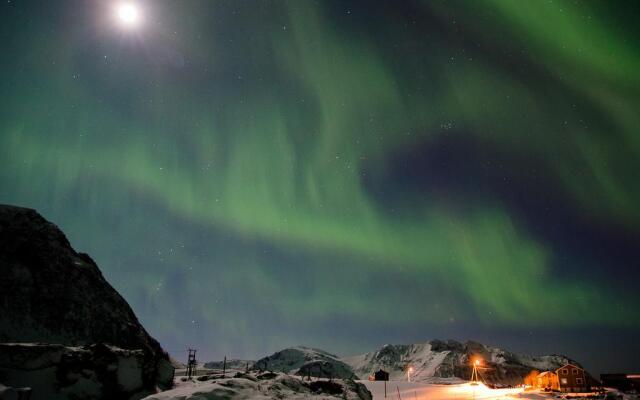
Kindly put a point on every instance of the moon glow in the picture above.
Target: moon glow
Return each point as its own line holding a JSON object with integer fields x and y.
{"x": 128, "y": 15}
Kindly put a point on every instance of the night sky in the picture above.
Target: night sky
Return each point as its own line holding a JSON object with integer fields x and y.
{"x": 252, "y": 175}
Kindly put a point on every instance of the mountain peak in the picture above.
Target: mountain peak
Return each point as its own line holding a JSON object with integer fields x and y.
{"x": 302, "y": 360}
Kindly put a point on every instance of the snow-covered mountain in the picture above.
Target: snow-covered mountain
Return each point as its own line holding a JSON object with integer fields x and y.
{"x": 435, "y": 360}
{"x": 306, "y": 360}
{"x": 438, "y": 359}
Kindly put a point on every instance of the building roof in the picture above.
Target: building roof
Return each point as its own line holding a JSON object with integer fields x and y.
{"x": 381, "y": 371}
{"x": 547, "y": 373}
{"x": 569, "y": 365}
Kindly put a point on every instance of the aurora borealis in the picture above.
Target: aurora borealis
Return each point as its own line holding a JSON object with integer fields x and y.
{"x": 251, "y": 175}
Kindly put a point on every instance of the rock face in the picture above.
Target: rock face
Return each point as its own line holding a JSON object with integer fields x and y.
{"x": 49, "y": 293}
{"x": 96, "y": 371}
{"x": 435, "y": 360}
{"x": 306, "y": 361}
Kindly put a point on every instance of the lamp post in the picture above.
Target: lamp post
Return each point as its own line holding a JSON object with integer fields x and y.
{"x": 474, "y": 372}
{"x": 409, "y": 371}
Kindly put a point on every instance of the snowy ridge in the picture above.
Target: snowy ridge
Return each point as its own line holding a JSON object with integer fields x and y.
{"x": 394, "y": 359}
{"x": 436, "y": 359}
{"x": 303, "y": 360}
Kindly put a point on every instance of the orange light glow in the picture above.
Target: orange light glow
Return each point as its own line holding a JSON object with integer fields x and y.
{"x": 480, "y": 391}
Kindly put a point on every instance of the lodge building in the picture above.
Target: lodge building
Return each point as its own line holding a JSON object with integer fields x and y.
{"x": 548, "y": 380}
{"x": 572, "y": 379}
{"x": 568, "y": 378}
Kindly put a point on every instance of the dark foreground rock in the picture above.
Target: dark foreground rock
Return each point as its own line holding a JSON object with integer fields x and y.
{"x": 51, "y": 294}
{"x": 94, "y": 371}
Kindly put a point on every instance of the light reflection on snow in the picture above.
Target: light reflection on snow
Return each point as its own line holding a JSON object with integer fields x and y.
{"x": 480, "y": 391}
{"x": 424, "y": 391}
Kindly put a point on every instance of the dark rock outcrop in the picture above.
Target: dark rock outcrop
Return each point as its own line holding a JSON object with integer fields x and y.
{"x": 96, "y": 371}
{"x": 49, "y": 293}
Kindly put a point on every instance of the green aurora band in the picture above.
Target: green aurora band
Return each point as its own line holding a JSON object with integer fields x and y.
{"x": 277, "y": 153}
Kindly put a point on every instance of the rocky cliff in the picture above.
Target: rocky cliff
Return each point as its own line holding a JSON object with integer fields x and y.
{"x": 51, "y": 294}
{"x": 96, "y": 371}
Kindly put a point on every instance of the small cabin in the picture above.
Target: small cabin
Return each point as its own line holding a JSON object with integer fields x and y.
{"x": 548, "y": 380}
{"x": 572, "y": 378}
{"x": 379, "y": 375}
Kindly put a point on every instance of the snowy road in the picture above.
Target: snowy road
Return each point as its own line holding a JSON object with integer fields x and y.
{"x": 425, "y": 391}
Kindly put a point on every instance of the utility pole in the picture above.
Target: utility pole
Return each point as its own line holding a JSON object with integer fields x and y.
{"x": 224, "y": 367}
{"x": 191, "y": 363}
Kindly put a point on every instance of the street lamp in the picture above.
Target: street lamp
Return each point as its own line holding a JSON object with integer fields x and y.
{"x": 474, "y": 372}
{"x": 409, "y": 371}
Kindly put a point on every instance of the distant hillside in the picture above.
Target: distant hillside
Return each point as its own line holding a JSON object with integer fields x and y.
{"x": 230, "y": 364}
{"x": 305, "y": 360}
{"x": 451, "y": 359}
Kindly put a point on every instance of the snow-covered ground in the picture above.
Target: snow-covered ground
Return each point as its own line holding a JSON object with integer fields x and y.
{"x": 266, "y": 385}
{"x": 283, "y": 386}
{"x": 466, "y": 391}
{"x": 428, "y": 391}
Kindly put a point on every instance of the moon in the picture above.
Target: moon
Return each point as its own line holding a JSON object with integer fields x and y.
{"x": 127, "y": 15}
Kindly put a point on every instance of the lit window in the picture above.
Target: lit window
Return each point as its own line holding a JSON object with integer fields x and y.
{"x": 564, "y": 381}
